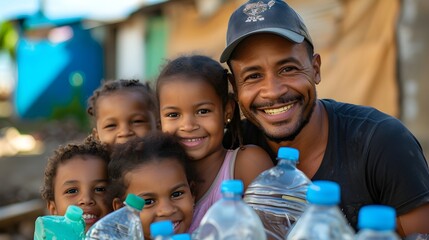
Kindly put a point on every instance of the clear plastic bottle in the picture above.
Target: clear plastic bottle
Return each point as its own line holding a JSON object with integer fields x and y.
{"x": 71, "y": 226}
{"x": 123, "y": 223}
{"x": 162, "y": 230}
{"x": 377, "y": 222}
{"x": 278, "y": 195}
{"x": 230, "y": 218}
{"x": 323, "y": 219}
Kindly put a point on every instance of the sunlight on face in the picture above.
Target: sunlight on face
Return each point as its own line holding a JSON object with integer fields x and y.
{"x": 81, "y": 181}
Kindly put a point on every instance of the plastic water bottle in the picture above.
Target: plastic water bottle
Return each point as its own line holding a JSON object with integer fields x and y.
{"x": 278, "y": 195}
{"x": 377, "y": 222}
{"x": 323, "y": 219}
{"x": 123, "y": 223}
{"x": 162, "y": 230}
{"x": 230, "y": 218}
{"x": 70, "y": 226}
{"x": 181, "y": 236}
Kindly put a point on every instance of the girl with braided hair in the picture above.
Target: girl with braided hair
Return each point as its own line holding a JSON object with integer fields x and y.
{"x": 122, "y": 110}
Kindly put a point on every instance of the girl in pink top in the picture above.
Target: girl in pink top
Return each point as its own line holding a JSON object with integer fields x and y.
{"x": 196, "y": 106}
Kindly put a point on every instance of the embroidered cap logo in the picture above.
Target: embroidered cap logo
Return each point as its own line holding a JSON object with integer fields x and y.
{"x": 254, "y": 10}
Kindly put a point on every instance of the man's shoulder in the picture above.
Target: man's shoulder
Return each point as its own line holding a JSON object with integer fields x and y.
{"x": 354, "y": 112}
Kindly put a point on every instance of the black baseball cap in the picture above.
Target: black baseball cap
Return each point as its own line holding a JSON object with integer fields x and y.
{"x": 264, "y": 16}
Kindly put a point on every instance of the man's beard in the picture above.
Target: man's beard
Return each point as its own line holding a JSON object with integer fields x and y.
{"x": 301, "y": 124}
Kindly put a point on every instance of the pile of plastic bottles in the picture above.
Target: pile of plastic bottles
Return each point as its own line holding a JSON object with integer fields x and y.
{"x": 281, "y": 203}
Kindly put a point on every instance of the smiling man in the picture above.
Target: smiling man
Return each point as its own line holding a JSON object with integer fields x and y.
{"x": 372, "y": 155}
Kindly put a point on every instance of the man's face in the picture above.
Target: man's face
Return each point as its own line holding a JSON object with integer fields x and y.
{"x": 275, "y": 83}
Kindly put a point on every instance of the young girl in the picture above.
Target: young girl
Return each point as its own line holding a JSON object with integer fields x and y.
{"x": 157, "y": 169}
{"x": 195, "y": 106}
{"x": 77, "y": 175}
{"x": 122, "y": 110}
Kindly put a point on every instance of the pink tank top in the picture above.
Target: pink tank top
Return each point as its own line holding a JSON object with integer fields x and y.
{"x": 213, "y": 194}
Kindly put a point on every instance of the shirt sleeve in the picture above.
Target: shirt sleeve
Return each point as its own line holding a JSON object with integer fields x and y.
{"x": 398, "y": 166}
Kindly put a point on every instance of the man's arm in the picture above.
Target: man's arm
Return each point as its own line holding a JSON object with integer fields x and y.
{"x": 416, "y": 221}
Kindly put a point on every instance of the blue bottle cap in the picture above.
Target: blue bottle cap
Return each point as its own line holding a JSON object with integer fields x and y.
{"x": 161, "y": 228}
{"x": 134, "y": 201}
{"x": 324, "y": 192}
{"x": 288, "y": 153}
{"x": 182, "y": 236}
{"x": 377, "y": 217}
{"x": 74, "y": 213}
{"x": 232, "y": 186}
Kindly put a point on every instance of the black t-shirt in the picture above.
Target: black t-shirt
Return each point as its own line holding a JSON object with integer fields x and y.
{"x": 372, "y": 155}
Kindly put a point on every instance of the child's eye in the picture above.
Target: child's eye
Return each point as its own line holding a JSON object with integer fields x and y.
{"x": 139, "y": 121}
{"x": 203, "y": 111}
{"x": 71, "y": 191}
{"x": 148, "y": 202}
{"x": 100, "y": 189}
{"x": 110, "y": 126}
{"x": 176, "y": 194}
{"x": 172, "y": 115}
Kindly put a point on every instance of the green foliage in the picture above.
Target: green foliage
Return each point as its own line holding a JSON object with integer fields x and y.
{"x": 73, "y": 110}
{"x": 8, "y": 38}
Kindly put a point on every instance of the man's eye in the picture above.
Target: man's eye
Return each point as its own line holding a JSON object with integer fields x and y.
{"x": 289, "y": 69}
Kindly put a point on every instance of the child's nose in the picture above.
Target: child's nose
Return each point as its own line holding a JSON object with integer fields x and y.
{"x": 188, "y": 124}
{"x": 125, "y": 131}
{"x": 86, "y": 199}
{"x": 166, "y": 209}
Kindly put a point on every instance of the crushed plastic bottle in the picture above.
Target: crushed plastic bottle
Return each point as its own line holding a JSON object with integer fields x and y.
{"x": 230, "y": 218}
{"x": 71, "y": 226}
{"x": 278, "y": 195}
{"x": 123, "y": 223}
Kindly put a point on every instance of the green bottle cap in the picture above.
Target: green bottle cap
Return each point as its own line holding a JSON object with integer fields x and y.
{"x": 134, "y": 201}
{"x": 74, "y": 213}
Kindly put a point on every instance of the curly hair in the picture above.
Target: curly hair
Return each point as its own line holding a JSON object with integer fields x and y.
{"x": 154, "y": 147}
{"x": 112, "y": 86}
{"x": 62, "y": 154}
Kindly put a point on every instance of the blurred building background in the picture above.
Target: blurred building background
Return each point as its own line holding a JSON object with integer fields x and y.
{"x": 54, "y": 53}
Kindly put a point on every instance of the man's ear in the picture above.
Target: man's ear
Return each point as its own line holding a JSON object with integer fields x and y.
{"x": 317, "y": 63}
{"x": 231, "y": 80}
{"x": 52, "y": 208}
{"x": 117, "y": 203}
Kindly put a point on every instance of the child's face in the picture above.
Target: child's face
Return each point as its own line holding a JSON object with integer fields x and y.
{"x": 193, "y": 111}
{"x": 81, "y": 181}
{"x": 167, "y": 194}
{"x": 121, "y": 116}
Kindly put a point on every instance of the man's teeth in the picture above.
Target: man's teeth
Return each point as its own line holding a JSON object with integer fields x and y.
{"x": 88, "y": 216}
{"x": 278, "y": 110}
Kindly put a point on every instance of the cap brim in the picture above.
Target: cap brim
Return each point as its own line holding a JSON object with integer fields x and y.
{"x": 292, "y": 36}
